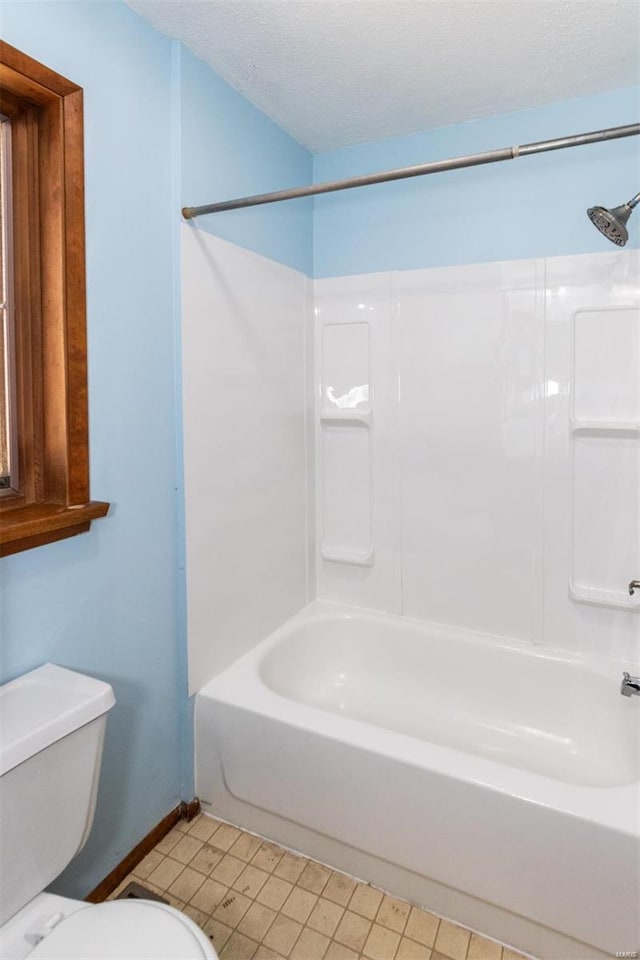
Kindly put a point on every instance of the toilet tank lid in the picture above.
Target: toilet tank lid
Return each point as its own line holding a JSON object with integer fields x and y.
{"x": 46, "y": 705}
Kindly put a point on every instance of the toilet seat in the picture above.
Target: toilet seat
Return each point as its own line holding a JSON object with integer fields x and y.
{"x": 125, "y": 930}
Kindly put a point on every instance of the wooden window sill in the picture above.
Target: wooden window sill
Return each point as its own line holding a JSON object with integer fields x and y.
{"x": 50, "y": 475}
{"x": 36, "y": 524}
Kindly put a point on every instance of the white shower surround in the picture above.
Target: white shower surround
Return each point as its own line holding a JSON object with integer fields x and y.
{"x": 477, "y": 494}
{"x": 460, "y": 488}
{"x": 245, "y": 407}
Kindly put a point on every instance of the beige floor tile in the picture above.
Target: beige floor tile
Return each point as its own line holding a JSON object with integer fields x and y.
{"x": 251, "y": 881}
{"x": 209, "y": 896}
{"x": 228, "y": 870}
{"x": 232, "y": 909}
{"x": 452, "y": 941}
{"x": 282, "y": 935}
{"x": 268, "y": 857}
{"x": 382, "y": 943}
{"x": 148, "y": 864}
{"x": 274, "y": 893}
{"x": 410, "y": 950}
{"x": 217, "y": 932}
{"x": 365, "y": 901}
{"x": 174, "y": 901}
{"x": 203, "y": 828}
{"x": 198, "y": 916}
{"x": 265, "y": 954}
{"x": 393, "y": 913}
{"x": 207, "y": 859}
{"x": 165, "y": 873}
{"x": 256, "y": 921}
{"x": 310, "y": 945}
{"x": 186, "y": 848}
{"x": 314, "y": 877}
{"x": 338, "y": 951}
{"x": 240, "y": 890}
{"x": 481, "y": 949}
{"x": 246, "y": 846}
{"x": 352, "y": 931}
{"x": 339, "y": 888}
{"x": 239, "y": 947}
{"x": 422, "y": 926}
{"x": 299, "y": 904}
{"x": 151, "y": 886}
{"x": 169, "y": 841}
{"x": 225, "y": 836}
{"x": 325, "y": 917}
{"x": 187, "y": 884}
{"x": 290, "y": 867}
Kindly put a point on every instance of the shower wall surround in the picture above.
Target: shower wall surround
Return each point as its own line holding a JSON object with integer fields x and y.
{"x": 472, "y": 434}
{"x": 438, "y": 412}
{"x": 478, "y": 447}
{"x": 246, "y": 327}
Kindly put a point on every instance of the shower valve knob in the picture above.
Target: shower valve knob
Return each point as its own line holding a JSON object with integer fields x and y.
{"x": 633, "y": 586}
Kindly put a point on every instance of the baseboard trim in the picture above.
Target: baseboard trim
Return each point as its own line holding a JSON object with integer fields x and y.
{"x": 184, "y": 811}
{"x": 189, "y": 810}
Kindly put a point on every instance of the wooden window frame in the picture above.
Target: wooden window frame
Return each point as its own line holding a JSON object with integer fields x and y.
{"x": 52, "y": 500}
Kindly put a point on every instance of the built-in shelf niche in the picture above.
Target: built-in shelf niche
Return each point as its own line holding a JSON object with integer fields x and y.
{"x": 606, "y": 365}
{"x": 345, "y": 422}
{"x": 605, "y": 450}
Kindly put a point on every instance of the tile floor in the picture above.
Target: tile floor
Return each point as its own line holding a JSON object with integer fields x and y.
{"x": 257, "y": 901}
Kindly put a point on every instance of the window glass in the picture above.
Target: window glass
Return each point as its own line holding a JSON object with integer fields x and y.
{"x": 7, "y": 437}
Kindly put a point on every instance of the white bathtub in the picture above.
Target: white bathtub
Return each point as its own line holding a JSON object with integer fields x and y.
{"x": 492, "y": 784}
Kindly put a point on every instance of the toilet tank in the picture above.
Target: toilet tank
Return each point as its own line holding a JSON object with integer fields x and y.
{"x": 52, "y": 724}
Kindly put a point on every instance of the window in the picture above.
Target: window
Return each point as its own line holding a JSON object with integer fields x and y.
{"x": 44, "y": 462}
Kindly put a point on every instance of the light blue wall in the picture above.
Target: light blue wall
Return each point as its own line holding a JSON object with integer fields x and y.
{"x": 111, "y": 603}
{"x": 530, "y": 207}
{"x": 105, "y": 602}
{"x": 231, "y": 149}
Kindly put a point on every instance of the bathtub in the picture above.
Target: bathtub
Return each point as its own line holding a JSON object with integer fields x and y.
{"x": 493, "y": 783}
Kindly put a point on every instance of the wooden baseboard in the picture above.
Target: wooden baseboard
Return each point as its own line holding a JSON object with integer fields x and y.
{"x": 189, "y": 810}
{"x": 184, "y": 811}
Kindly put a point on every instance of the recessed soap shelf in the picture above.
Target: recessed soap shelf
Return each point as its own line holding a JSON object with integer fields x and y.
{"x": 604, "y": 598}
{"x": 604, "y": 426}
{"x": 357, "y": 558}
{"x": 605, "y": 452}
{"x": 605, "y": 514}
{"x": 356, "y": 416}
{"x": 345, "y": 411}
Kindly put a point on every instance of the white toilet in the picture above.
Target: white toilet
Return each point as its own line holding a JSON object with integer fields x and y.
{"x": 52, "y": 724}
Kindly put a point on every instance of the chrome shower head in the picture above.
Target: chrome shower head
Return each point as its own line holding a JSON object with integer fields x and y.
{"x": 613, "y": 223}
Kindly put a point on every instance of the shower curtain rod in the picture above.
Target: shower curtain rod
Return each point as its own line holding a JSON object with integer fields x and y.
{"x": 419, "y": 170}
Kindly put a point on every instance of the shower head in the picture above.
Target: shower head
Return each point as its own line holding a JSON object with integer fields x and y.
{"x": 613, "y": 223}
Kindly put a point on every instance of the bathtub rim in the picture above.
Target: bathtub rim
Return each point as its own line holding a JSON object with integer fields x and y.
{"x": 241, "y": 685}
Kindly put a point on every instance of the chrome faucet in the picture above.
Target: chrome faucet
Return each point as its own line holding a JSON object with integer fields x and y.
{"x": 630, "y": 686}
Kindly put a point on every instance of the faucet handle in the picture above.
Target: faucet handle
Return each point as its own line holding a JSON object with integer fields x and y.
{"x": 633, "y": 586}
{"x": 630, "y": 686}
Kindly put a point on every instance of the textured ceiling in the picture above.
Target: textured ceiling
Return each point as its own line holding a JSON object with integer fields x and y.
{"x": 338, "y": 72}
